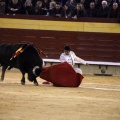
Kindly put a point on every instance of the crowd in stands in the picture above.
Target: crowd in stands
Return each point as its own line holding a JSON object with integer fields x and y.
{"x": 63, "y": 8}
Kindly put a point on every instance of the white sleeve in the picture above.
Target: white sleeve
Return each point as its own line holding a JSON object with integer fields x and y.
{"x": 80, "y": 60}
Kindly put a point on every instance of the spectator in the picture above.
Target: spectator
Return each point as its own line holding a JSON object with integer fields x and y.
{"x": 97, "y": 4}
{"x": 57, "y": 11}
{"x": 38, "y": 9}
{"x": 46, "y": 4}
{"x": 114, "y": 11}
{"x": 2, "y": 6}
{"x": 52, "y": 1}
{"x": 70, "y": 57}
{"x": 60, "y": 1}
{"x": 51, "y": 7}
{"x": 87, "y": 3}
{"x": 118, "y": 4}
{"x": 78, "y": 12}
{"x": 29, "y": 9}
{"x": 92, "y": 11}
{"x": 6, "y": 6}
{"x": 23, "y": 6}
{"x": 103, "y": 11}
{"x": 109, "y": 3}
{"x": 70, "y": 8}
{"x": 63, "y": 2}
{"x": 35, "y": 1}
{"x": 67, "y": 12}
{"x": 83, "y": 3}
{"x": 72, "y": 4}
{"x": 14, "y": 7}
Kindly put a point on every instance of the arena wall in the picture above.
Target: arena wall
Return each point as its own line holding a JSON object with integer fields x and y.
{"x": 91, "y": 39}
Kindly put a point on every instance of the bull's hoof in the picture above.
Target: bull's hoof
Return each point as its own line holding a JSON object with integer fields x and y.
{"x": 23, "y": 83}
{"x": 36, "y": 84}
{"x": 2, "y": 78}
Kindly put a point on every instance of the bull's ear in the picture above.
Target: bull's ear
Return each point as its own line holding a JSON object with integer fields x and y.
{"x": 37, "y": 70}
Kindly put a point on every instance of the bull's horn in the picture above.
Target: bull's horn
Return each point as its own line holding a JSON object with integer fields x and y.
{"x": 34, "y": 70}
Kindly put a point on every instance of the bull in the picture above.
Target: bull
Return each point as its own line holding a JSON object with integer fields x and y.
{"x": 25, "y": 57}
{"x": 4, "y": 67}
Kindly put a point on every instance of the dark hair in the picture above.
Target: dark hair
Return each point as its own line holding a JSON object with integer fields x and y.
{"x": 67, "y": 48}
{"x": 58, "y": 3}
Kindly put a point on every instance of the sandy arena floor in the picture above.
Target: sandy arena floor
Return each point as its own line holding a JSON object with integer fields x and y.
{"x": 98, "y": 98}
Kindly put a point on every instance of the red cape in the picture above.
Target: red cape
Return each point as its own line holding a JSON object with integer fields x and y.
{"x": 62, "y": 75}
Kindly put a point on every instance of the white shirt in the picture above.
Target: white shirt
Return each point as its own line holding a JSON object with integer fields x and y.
{"x": 69, "y": 59}
{"x": 73, "y": 58}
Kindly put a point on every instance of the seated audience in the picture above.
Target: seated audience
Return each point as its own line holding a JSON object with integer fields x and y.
{"x": 118, "y": 3}
{"x": 109, "y": 3}
{"x": 97, "y": 4}
{"x": 14, "y": 7}
{"x": 83, "y": 3}
{"x": 57, "y": 11}
{"x": 23, "y": 6}
{"x": 92, "y": 11}
{"x": 63, "y": 2}
{"x": 34, "y": 2}
{"x": 72, "y": 4}
{"x": 114, "y": 11}
{"x": 86, "y": 3}
{"x": 45, "y": 5}
{"x": 67, "y": 12}
{"x": 51, "y": 7}
{"x": 2, "y": 6}
{"x": 78, "y": 12}
{"x": 29, "y": 8}
{"x": 63, "y": 8}
{"x": 38, "y": 10}
{"x": 103, "y": 11}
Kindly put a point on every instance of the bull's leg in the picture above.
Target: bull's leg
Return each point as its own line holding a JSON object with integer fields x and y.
{"x": 3, "y": 72}
{"x": 35, "y": 82}
{"x": 10, "y": 67}
{"x": 36, "y": 72}
{"x": 23, "y": 78}
{"x": 32, "y": 77}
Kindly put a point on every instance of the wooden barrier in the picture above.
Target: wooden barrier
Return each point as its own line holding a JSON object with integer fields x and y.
{"x": 92, "y": 39}
{"x": 94, "y": 68}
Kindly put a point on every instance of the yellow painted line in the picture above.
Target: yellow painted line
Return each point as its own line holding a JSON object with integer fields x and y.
{"x": 60, "y": 25}
{"x": 102, "y": 27}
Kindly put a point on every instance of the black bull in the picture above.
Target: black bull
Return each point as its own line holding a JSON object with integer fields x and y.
{"x": 28, "y": 61}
